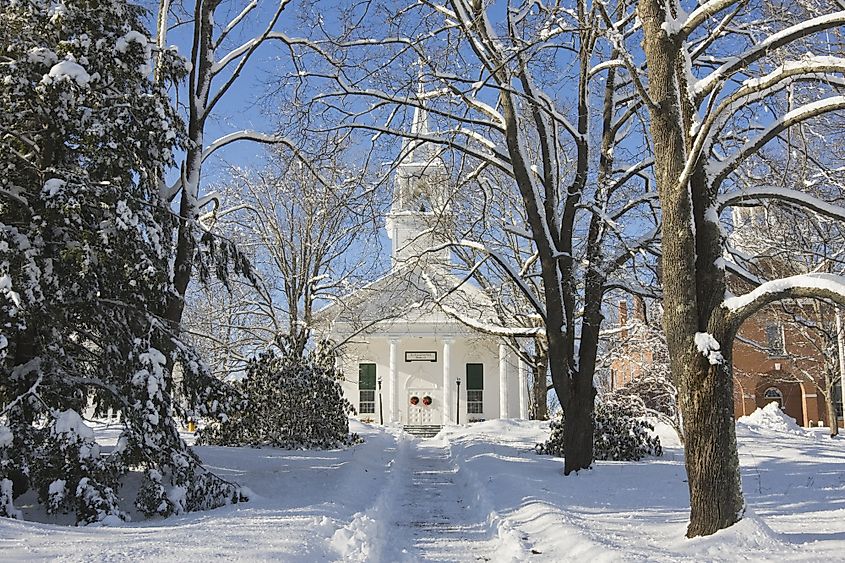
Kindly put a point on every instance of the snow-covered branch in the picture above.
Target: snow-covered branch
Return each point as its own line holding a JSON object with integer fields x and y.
{"x": 819, "y": 286}
{"x": 719, "y": 171}
{"x": 810, "y": 68}
{"x": 506, "y": 267}
{"x": 794, "y": 197}
{"x": 264, "y": 138}
{"x": 701, "y": 14}
{"x": 737, "y": 63}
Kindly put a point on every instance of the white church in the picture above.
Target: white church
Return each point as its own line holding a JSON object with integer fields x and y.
{"x": 409, "y": 355}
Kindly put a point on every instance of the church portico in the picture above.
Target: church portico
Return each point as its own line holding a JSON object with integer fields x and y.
{"x": 417, "y": 379}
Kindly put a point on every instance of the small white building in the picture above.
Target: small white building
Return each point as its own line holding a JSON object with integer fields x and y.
{"x": 406, "y": 357}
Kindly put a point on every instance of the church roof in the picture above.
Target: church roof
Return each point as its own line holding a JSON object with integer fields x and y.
{"x": 415, "y": 298}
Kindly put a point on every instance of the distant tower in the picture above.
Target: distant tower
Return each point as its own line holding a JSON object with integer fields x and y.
{"x": 418, "y": 218}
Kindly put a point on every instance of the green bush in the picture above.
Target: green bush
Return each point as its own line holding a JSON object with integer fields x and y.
{"x": 290, "y": 401}
{"x": 619, "y": 435}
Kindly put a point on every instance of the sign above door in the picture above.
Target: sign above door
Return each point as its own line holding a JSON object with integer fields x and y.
{"x": 420, "y": 356}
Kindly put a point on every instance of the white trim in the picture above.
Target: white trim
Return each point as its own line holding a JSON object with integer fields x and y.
{"x": 447, "y": 380}
{"x": 523, "y": 383}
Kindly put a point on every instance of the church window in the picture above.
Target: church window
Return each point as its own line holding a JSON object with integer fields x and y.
{"x": 475, "y": 388}
{"x": 420, "y": 202}
{"x": 366, "y": 388}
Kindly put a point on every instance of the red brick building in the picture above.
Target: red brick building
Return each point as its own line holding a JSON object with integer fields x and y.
{"x": 774, "y": 361}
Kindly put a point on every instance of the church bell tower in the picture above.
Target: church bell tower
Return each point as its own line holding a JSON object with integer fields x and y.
{"x": 418, "y": 220}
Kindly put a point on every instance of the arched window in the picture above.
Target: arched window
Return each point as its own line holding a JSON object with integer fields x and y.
{"x": 773, "y": 394}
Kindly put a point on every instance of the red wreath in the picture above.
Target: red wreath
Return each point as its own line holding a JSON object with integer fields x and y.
{"x": 415, "y": 400}
{"x": 426, "y": 400}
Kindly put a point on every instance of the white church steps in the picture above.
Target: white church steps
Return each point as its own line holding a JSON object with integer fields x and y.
{"x": 422, "y": 430}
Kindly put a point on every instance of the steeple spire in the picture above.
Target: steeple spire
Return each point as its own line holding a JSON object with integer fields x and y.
{"x": 413, "y": 147}
{"x": 419, "y": 195}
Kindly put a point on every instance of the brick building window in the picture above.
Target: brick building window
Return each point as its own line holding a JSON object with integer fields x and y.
{"x": 773, "y": 395}
{"x": 774, "y": 340}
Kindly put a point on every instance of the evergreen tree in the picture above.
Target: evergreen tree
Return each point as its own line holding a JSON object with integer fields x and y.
{"x": 290, "y": 401}
{"x": 85, "y": 246}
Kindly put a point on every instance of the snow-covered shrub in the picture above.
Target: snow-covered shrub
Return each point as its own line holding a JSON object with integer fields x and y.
{"x": 652, "y": 394}
{"x": 71, "y": 474}
{"x": 644, "y": 347}
{"x": 86, "y": 251}
{"x": 620, "y": 434}
{"x": 291, "y": 402}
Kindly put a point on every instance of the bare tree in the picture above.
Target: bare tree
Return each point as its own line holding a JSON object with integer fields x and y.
{"x": 307, "y": 240}
{"x": 701, "y": 146}
{"x": 218, "y": 56}
{"x": 564, "y": 141}
{"x": 493, "y": 214}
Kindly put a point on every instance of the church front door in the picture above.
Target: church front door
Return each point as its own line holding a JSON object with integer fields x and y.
{"x": 424, "y": 407}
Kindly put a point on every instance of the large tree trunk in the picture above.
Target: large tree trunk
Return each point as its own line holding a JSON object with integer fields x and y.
{"x": 710, "y": 444}
{"x": 693, "y": 288}
{"x": 579, "y": 428}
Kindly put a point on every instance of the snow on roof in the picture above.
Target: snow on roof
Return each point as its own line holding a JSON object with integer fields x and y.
{"x": 427, "y": 294}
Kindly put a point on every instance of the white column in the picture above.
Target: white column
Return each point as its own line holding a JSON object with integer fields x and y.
{"x": 447, "y": 381}
{"x": 523, "y": 383}
{"x": 503, "y": 381}
{"x": 391, "y": 381}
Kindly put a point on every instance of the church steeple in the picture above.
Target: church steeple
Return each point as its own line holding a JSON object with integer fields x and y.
{"x": 415, "y": 222}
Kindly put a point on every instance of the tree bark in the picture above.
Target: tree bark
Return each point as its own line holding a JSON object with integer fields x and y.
{"x": 710, "y": 443}
{"x": 540, "y": 387}
{"x": 693, "y": 288}
{"x": 830, "y": 387}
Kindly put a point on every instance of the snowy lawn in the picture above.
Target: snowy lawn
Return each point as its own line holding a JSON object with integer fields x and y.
{"x": 480, "y": 493}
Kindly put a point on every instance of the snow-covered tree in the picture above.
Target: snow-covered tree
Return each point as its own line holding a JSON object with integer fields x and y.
{"x": 726, "y": 78}
{"x": 305, "y": 229}
{"x": 566, "y": 142}
{"x": 289, "y": 401}
{"x": 86, "y": 247}
{"x": 218, "y": 56}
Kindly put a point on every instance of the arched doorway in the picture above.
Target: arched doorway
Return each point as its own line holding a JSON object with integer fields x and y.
{"x": 782, "y": 389}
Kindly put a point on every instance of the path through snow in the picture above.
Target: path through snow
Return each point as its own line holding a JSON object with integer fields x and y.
{"x": 436, "y": 507}
{"x": 429, "y": 510}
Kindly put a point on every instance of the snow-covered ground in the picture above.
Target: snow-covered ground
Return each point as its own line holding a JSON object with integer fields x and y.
{"x": 480, "y": 494}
